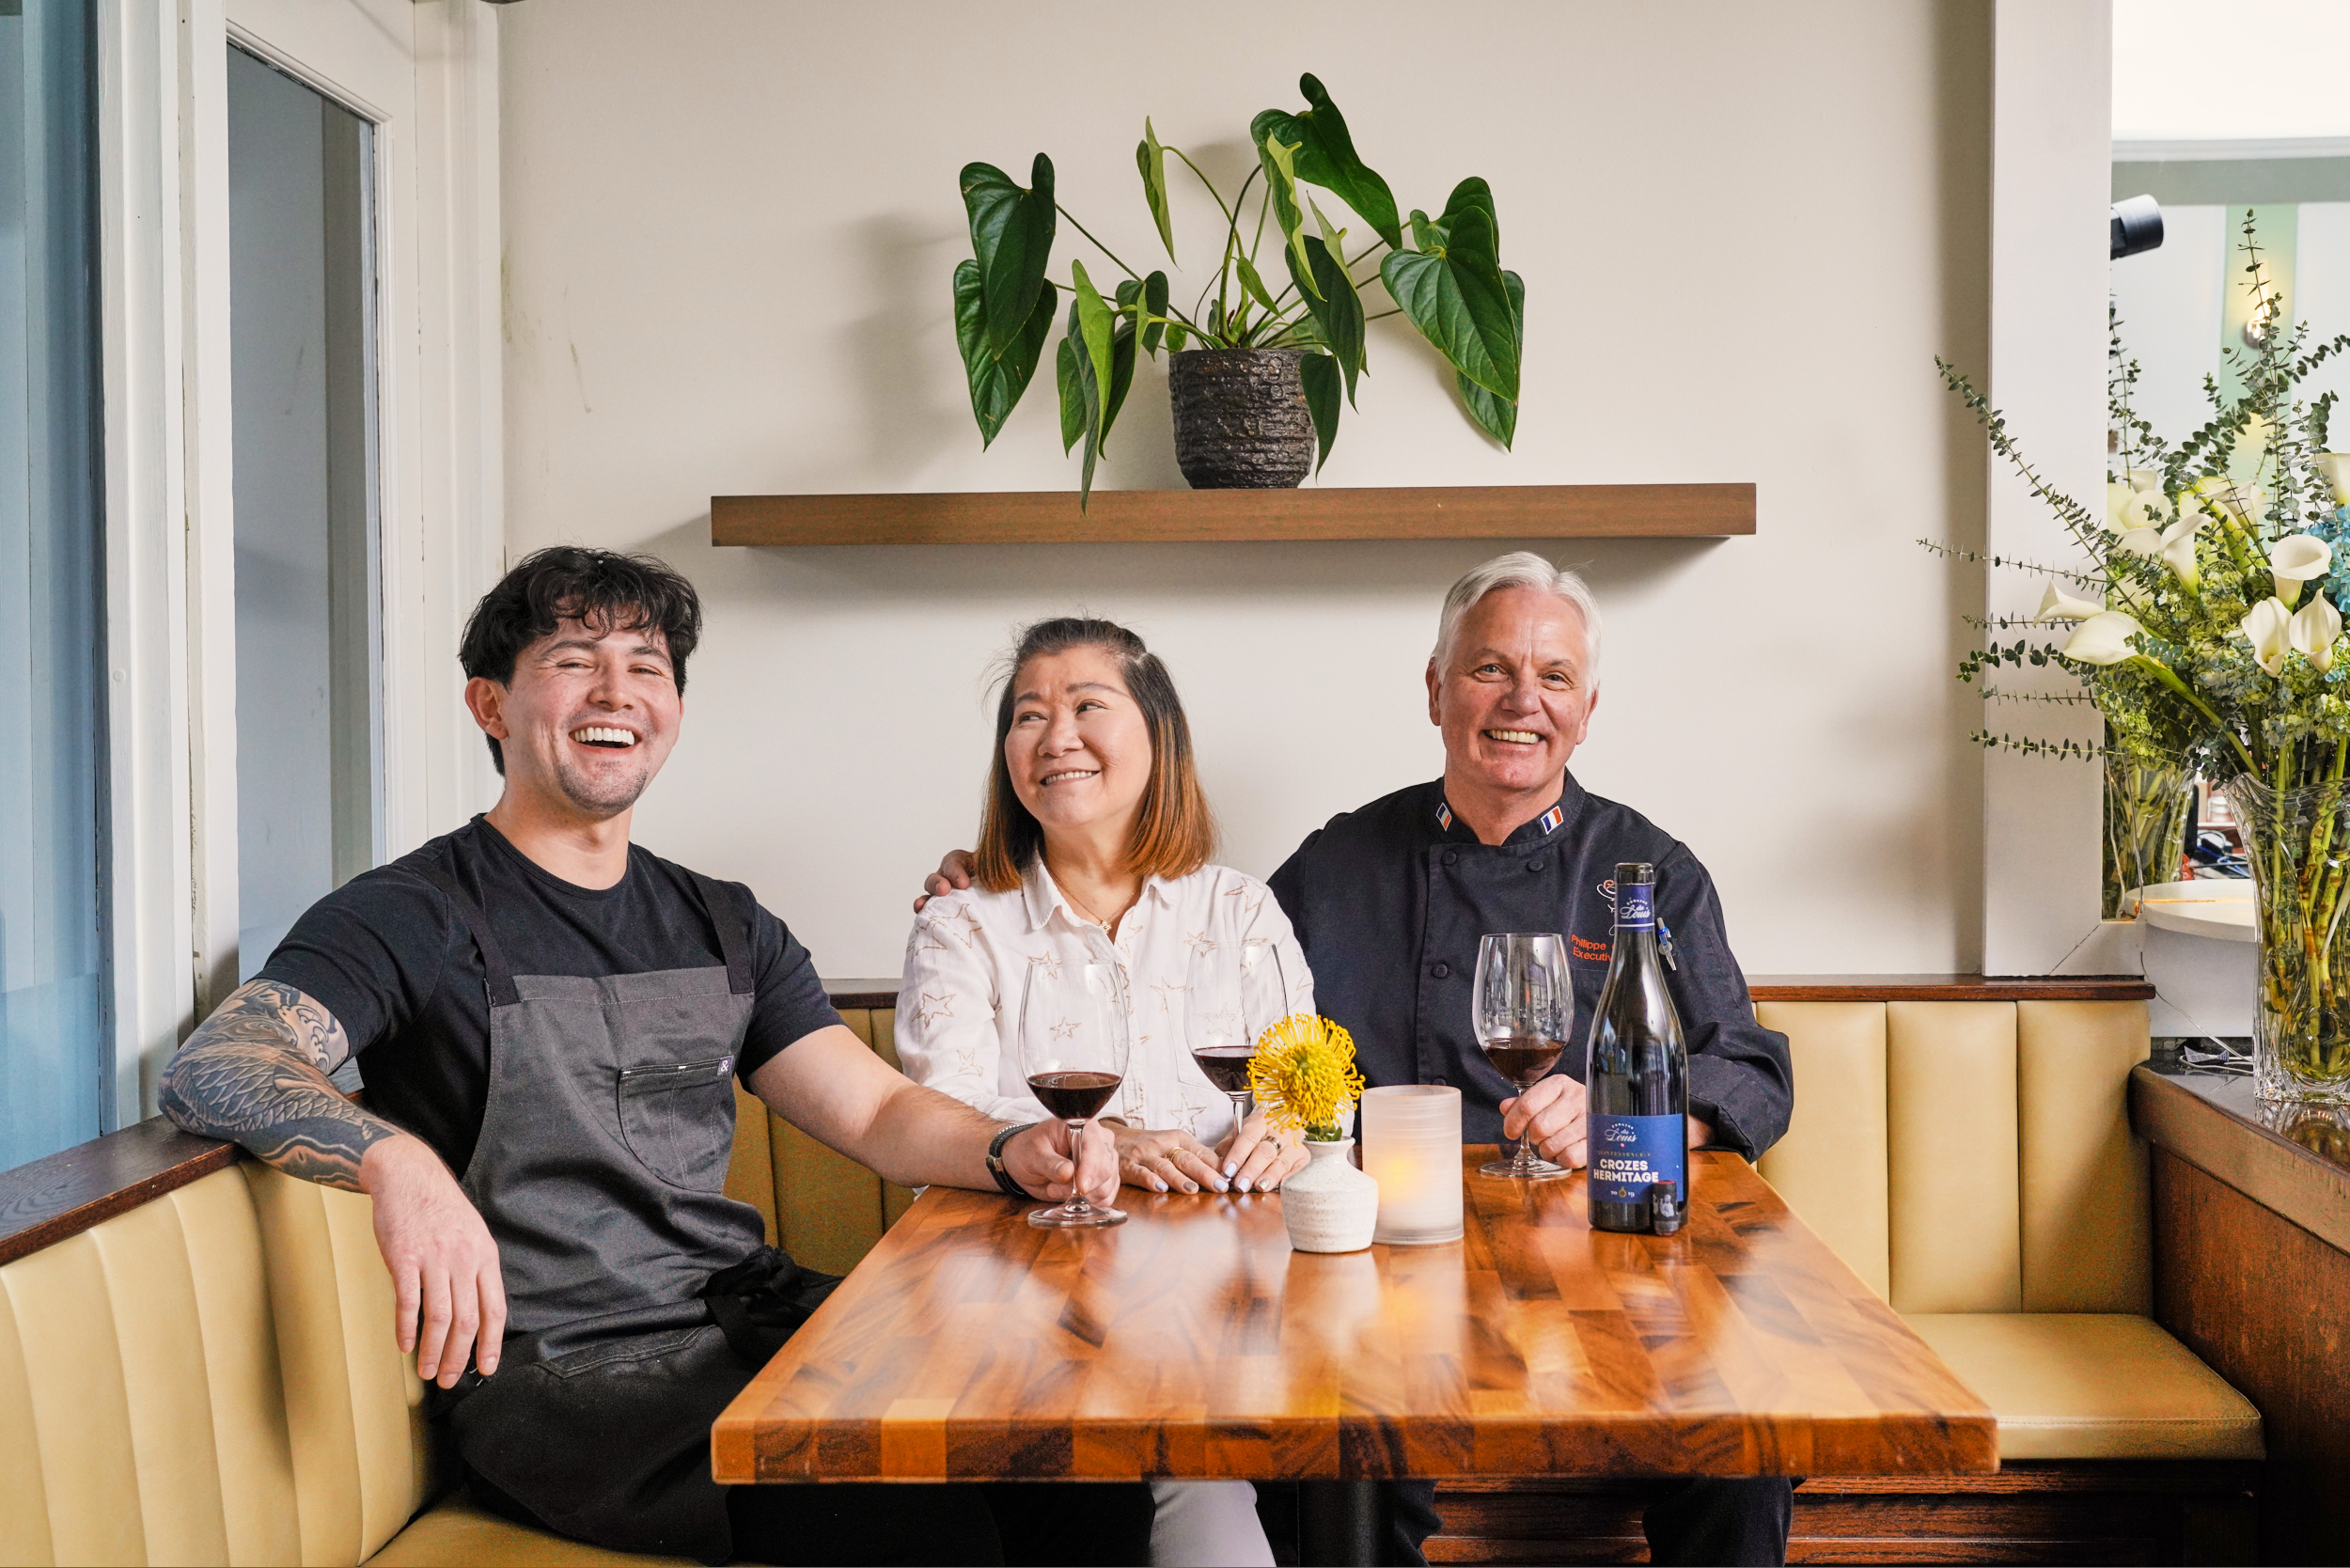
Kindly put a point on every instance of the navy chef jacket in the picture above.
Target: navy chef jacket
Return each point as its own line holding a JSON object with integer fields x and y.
{"x": 1389, "y": 902}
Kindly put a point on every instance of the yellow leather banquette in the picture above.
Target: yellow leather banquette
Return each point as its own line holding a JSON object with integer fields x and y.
{"x": 210, "y": 1377}
{"x": 1974, "y": 1163}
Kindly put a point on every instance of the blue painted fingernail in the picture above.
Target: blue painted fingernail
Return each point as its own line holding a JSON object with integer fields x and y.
{"x": 1230, "y": 1166}
{"x": 1223, "y": 1185}
{"x": 1243, "y": 1183}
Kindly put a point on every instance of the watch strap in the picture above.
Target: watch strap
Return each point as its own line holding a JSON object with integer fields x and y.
{"x": 995, "y": 1158}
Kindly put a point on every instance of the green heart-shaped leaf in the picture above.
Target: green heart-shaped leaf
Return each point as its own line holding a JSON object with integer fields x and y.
{"x": 1337, "y": 312}
{"x": 1469, "y": 192}
{"x": 1496, "y": 417}
{"x": 1012, "y": 234}
{"x": 1098, "y": 351}
{"x": 1254, "y": 284}
{"x": 1095, "y": 324}
{"x": 1153, "y": 310}
{"x": 1319, "y": 374}
{"x": 1455, "y": 295}
{"x": 997, "y": 381}
{"x": 1072, "y": 393}
{"x": 1328, "y": 160}
{"x": 1278, "y": 137}
{"x": 1151, "y": 158}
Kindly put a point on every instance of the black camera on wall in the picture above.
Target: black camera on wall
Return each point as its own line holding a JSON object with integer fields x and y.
{"x": 2136, "y": 226}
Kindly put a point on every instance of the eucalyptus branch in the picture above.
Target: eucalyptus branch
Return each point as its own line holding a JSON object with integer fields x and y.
{"x": 2028, "y": 745}
{"x": 2005, "y": 622}
{"x": 1976, "y": 557}
{"x": 2077, "y": 518}
{"x": 2169, "y": 678}
{"x": 1992, "y": 693}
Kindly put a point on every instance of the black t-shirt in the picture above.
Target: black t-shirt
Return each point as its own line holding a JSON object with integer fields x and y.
{"x": 390, "y": 957}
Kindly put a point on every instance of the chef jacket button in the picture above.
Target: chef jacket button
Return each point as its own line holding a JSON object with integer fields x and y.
{"x": 1441, "y": 970}
{"x": 1441, "y": 1081}
{"x": 1535, "y": 864}
{"x": 1451, "y": 857}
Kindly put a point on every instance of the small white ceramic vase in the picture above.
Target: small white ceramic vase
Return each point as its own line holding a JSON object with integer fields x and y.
{"x": 1330, "y": 1206}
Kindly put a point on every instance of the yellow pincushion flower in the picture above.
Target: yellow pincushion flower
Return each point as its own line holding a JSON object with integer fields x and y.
{"x": 1303, "y": 1076}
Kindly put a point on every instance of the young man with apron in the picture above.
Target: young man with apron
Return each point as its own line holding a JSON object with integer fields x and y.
{"x": 551, "y": 1022}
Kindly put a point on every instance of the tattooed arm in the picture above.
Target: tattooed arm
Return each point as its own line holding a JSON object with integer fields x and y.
{"x": 255, "y": 1073}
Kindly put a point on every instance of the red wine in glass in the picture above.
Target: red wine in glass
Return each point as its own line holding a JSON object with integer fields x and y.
{"x": 1074, "y": 1096}
{"x": 1226, "y": 1066}
{"x": 1522, "y": 1010}
{"x": 1073, "y": 1052}
{"x": 1523, "y": 1059}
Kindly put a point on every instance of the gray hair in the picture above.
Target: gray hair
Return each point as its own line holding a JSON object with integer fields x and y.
{"x": 1527, "y": 570}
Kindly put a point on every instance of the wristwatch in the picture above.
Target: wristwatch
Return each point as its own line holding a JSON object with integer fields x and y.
{"x": 995, "y": 1158}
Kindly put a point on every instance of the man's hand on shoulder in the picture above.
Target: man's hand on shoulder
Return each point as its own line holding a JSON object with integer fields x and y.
{"x": 953, "y": 876}
{"x": 450, "y": 1294}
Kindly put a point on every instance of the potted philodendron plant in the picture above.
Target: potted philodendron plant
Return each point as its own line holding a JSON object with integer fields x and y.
{"x": 1257, "y": 373}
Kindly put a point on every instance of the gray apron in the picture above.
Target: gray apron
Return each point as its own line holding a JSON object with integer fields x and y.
{"x": 605, "y": 1139}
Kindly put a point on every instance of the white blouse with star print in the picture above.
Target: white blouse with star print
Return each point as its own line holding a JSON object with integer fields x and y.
{"x": 968, "y": 960}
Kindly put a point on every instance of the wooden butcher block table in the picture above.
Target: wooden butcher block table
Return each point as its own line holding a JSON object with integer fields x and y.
{"x": 1193, "y": 1341}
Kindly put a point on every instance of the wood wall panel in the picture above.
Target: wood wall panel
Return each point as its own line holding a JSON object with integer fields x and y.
{"x": 2266, "y": 1305}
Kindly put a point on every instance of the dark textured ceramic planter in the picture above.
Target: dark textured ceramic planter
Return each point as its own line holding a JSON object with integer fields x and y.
{"x": 1241, "y": 421}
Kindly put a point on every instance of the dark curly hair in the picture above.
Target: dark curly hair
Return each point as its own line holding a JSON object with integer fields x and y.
{"x": 603, "y": 589}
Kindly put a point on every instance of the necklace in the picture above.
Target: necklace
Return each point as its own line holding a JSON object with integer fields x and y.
{"x": 1088, "y": 910}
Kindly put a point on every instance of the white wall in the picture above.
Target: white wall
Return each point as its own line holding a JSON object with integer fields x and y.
{"x": 2190, "y": 69}
{"x": 1746, "y": 233}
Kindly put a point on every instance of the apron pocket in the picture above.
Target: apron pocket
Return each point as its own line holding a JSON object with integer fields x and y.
{"x": 678, "y": 1119}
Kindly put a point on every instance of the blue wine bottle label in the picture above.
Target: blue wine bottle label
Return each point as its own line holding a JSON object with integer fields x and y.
{"x": 1629, "y": 1153}
{"x": 1636, "y": 907}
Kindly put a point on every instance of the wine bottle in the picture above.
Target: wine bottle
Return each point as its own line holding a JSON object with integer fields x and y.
{"x": 1636, "y": 1074}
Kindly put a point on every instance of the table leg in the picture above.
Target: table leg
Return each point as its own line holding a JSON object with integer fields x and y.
{"x": 1338, "y": 1523}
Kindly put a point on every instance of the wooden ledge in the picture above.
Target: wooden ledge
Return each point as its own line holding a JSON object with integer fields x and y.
{"x": 1949, "y": 988}
{"x": 882, "y": 992}
{"x": 2286, "y": 1158}
{"x": 1226, "y": 516}
{"x": 44, "y": 1202}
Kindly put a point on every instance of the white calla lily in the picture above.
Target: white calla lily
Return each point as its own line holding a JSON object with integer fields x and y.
{"x": 2056, "y": 605}
{"x": 2336, "y": 467}
{"x": 2314, "y": 627}
{"x": 2224, "y": 497}
{"x": 2142, "y": 542}
{"x": 2131, "y": 506}
{"x": 2268, "y": 628}
{"x": 2296, "y": 559}
{"x": 2104, "y": 638}
{"x": 2178, "y": 551}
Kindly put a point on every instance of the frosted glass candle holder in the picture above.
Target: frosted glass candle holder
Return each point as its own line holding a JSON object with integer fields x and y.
{"x": 1412, "y": 1148}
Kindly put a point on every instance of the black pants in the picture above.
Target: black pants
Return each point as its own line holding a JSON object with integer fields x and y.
{"x": 611, "y": 1446}
{"x": 1711, "y": 1519}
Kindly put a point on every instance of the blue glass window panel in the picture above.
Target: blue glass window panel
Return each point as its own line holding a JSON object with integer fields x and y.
{"x": 53, "y": 1054}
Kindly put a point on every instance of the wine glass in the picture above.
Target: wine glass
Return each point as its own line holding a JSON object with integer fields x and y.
{"x": 1237, "y": 990}
{"x": 1073, "y": 1050}
{"x": 1522, "y": 1011}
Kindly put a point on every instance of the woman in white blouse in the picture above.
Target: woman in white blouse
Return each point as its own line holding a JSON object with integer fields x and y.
{"x": 1095, "y": 847}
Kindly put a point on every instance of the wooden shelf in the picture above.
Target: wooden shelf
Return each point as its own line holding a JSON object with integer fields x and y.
{"x": 1225, "y": 516}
